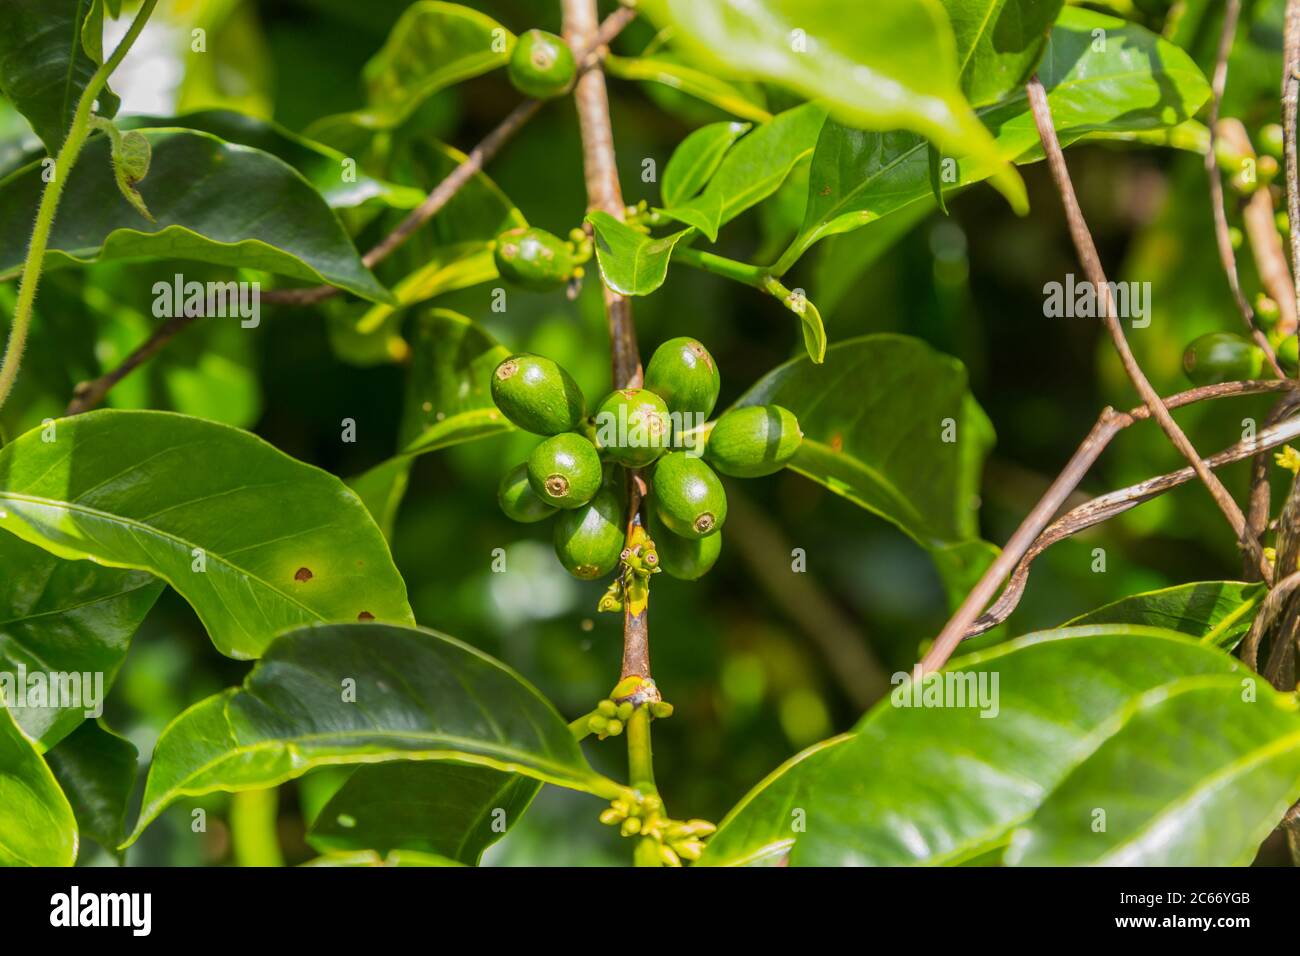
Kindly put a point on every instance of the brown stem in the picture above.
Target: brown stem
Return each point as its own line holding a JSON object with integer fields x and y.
{"x": 89, "y": 394}
{"x": 604, "y": 193}
{"x": 1027, "y": 536}
{"x": 1223, "y": 237}
{"x": 1290, "y": 107}
{"x": 1087, "y": 251}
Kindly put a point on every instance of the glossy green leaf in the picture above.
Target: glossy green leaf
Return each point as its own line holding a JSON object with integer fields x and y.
{"x": 998, "y": 43}
{"x": 333, "y": 174}
{"x": 1136, "y": 82}
{"x": 280, "y": 224}
{"x": 256, "y": 541}
{"x": 936, "y": 784}
{"x": 761, "y": 829}
{"x": 449, "y": 397}
{"x": 672, "y": 72}
{"x": 1217, "y": 612}
{"x": 96, "y": 770}
{"x": 65, "y": 618}
{"x": 434, "y": 45}
{"x": 874, "y": 419}
{"x": 890, "y": 64}
{"x": 631, "y": 262}
{"x": 753, "y": 169}
{"x": 1198, "y": 775}
{"x": 364, "y": 693}
{"x": 37, "y": 827}
{"x": 696, "y": 159}
{"x": 45, "y": 66}
{"x": 451, "y": 810}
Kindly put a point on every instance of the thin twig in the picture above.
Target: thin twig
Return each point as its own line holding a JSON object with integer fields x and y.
{"x": 604, "y": 193}
{"x": 89, "y": 394}
{"x": 1224, "y": 239}
{"x": 1107, "y": 506}
{"x": 1290, "y": 107}
{"x": 1109, "y": 424}
{"x": 1087, "y": 251}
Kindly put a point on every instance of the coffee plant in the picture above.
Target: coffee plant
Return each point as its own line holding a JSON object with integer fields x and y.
{"x": 240, "y": 257}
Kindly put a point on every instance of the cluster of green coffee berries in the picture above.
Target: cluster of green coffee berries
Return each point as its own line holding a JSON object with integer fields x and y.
{"x": 575, "y": 473}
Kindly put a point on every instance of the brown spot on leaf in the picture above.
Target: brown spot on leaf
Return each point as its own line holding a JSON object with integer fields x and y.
{"x": 303, "y": 574}
{"x": 365, "y": 616}
{"x": 837, "y": 442}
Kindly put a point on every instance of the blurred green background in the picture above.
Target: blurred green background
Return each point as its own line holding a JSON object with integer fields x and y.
{"x": 751, "y": 684}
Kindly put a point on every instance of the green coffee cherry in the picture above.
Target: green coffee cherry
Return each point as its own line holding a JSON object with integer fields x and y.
{"x": 689, "y": 496}
{"x": 753, "y": 441}
{"x": 1266, "y": 311}
{"x": 517, "y": 498}
{"x": 1222, "y": 357}
{"x": 632, "y": 427}
{"x": 541, "y": 65}
{"x": 565, "y": 470}
{"x": 534, "y": 259}
{"x": 1272, "y": 141}
{"x": 1288, "y": 353}
{"x": 588, "y": 540}
{"x": 687, "y": 559}
{"x": 684, "y": 375}
{"x": 537, "y": 395}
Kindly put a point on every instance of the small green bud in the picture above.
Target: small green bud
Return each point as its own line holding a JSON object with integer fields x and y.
{"x": 661, "y": 708}
{"x": 610, "y": 816}
{"x": 625, "y": 710}
{"x": 690, "y": 850}
{"x": 631, "y": 826}
{"x": 753, "y": 441}
{"x": 668, "y": 856}
{"x": 598, "y": 724}
{"x": 565, "y": 470}
{"x": 607, "y": 708}
{"x": 689, "y": 496}
{"x": 614, "y": 728}
{"x": 589, "y": 539}
{"x": 541, "y": 65}
{"x": 537, "y": 395}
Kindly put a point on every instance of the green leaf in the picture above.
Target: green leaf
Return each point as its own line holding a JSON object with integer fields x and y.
{"x": 1198, "y": 775}
{"x": 37, "y": 827}
{"x": 1217, "y": 612}
{"x": 341, "y": 185}
{"x": 381, "y": 490}
{"x": 96, "y": 770}
{"x": 256, "y": 541}
{"x": 934, "y": 784}
{"x": 45, "y": 66}
{"x": 66, "y": 618}
{"x": 998, "y": 43}
{"x": 1137, "y": 83}
{"x": 696, "y": 159}
{"x": 874, "y": 418}
{"x": 761, "y": 829}
{"x": 433, "y": 46}
{"x": 888, "y": 65}
{"x": 753, "y": 169}
{"x": 279, "y": 224}
{"x": 364, "y": 693}
{"x": 451, "y": 810}
{"x": 631, "y": 262}
{"x": 664, "y": 68}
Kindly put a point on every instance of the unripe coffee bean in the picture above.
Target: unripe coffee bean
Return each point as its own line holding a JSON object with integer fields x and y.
{"x": 537, "y": 395}
{"x": 565, "y": 470}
